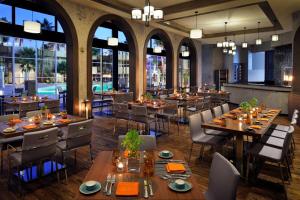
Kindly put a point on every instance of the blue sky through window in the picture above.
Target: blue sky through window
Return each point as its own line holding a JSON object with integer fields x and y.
{"x": 5, "y": 12}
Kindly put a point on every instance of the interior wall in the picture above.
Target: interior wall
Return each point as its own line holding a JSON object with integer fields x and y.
{"x": 84, "y": 16}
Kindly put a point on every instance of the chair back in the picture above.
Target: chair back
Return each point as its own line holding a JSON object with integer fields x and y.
{"x": 79, "y": 134}
{"x": 225, "y": 108}
{"x": 128, "y": 97}
{"x": 195, "y": 126}
{"x": 5, "y": 118}
{"x": 39, "y": 145}
{"x": 138, "y": 110}
{"x": 171, "y": 108}
{"x": 148, "y": 142}
{"x": 53, "y": 105}
{"x": 286, "y": 145}
{"x": 207, "y": 102}
{"x": 223, "y": 179}
{"x": 163, "y": 96}
{"x": 200, "y": 104}
{"x": 206, "y": 116}
{"x": 25, "y": 107}
{"x": 34, "y": 113}
{"x": 120, "y": 98}
{"x": 120, "y": 110}
{"x": 217, "y": 111}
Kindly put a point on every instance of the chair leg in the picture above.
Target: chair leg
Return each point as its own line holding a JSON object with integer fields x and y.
{"x": 57, "y": 170}
{"x": 282, "y": 179}
{"x": 65, "y": 166}
{"x": 288, "y": 168}
{"x": 202, "y": 152}
{"x": 191, "y": 150}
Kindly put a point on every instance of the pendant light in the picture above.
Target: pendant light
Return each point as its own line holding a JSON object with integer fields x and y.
{"x": 258, "y": 40}
{"x": 185, "y": 53}
{"x": 196, "y": 33}
{"x": 244, "y": 44}
{"x": 32, "y": 26}
{"x": 111, "y": 41}
{"x": 225, "y": 44}
{"x": 275, "y": 37}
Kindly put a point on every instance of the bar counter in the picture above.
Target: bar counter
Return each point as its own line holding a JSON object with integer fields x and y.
{"x": 272, "y": 96}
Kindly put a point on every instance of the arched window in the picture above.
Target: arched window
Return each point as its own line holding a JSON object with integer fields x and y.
{"x": 184, "y": 68}
{"x": 156, "y": 63}
{"x": 110, "y": 62}
{"x": 28, "y": 59}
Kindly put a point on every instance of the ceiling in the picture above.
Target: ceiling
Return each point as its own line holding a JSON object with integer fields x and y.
{"x": 274, "y": 15}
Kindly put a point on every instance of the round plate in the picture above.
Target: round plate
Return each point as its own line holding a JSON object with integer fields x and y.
{"x": 166, "y": 157}
{"x": 187, "y": 187}
{"x": 83, "y": 189}
{"x": 9, "y": 130}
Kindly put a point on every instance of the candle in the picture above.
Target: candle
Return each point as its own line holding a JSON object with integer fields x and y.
{"x": 86, "y": 112}
{"x": 120, "y": 166}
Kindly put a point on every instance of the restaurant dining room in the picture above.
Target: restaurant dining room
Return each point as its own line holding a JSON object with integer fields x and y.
{"x": 149, "y": 99}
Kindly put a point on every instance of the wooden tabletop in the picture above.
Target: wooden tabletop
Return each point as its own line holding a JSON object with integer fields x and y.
{"x": 237, "y": 127}
{"x": 213, "y": 92}
{"x": 188, "y": 98}
{"x": 160, "y": 105}
{"x": 21, "y": 131}
{"x": 102, "y": 165}
{"x": 29, "y": 100}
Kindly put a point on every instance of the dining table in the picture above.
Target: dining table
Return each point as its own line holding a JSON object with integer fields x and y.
{"x": 22, "y": 100}
{"x": 239, "y": 128}
{"x": 103, "y": 165}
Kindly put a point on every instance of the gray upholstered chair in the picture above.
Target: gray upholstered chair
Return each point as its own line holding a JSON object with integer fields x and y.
{"x": 34, "y": 113}
{"x": 120, "y": 112}
{"x": 148, "y": 142}
{"x": 26, "y": 107}
{"x": 5, "y": 141}
{"x": 139, "y": 114}
{"x": 207, "y": 117}
{"x": 223, "y": 179}
{"x": 76, "y": 136}
{"x": 217, "y": 111}
{"x": 199, "y": 137}
{"x": 37, "y": 147}
{"x": 53, "y": 105}
{"x": 225, "y": 108}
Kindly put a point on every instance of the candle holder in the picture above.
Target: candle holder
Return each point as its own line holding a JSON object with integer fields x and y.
{"x": 120, "y": 165}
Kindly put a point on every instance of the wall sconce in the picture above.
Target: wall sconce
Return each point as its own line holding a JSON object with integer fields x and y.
{"x": 85, "y": 108}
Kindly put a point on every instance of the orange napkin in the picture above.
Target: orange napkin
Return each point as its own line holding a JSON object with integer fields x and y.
{"x": 64, "y": 121}
{"x": 30, "y": 126}
{"x": 263, "y": 119}
{"x": 16, "y": 120}
{"x": 175, "y": 168}
{"x": 127, "y": 189}
{"x": 218, "y": 121}
{"x": 270, "y": 111}
{"x": 255, "y": 127}
{"x": 228, "y": 115}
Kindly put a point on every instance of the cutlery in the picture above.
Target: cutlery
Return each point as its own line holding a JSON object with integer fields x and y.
{"x": 166, "y": 177}
{"x": 108, "y": 178}
{"x": 145, "y": 189}
{"x": 112, "y": 182}
{"x": 183, "y": 175}
{"x": 150, "y": 188}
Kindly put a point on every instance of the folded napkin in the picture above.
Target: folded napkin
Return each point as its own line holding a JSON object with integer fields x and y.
{"x": 255, "y": 127}
{"x": 30, "y": 126}
{"x": 270, "y": 115}
{"x": 175, "y": 168}
{"x": 127, "y": 189}
{"x": 270, "y": 111}
{"x": 16, "y": 120}
{"x": 64, "y": 121}
{"x": 228, "y": 115}
{"x": 263, "y": 119}
{"x": 218, "y": 121}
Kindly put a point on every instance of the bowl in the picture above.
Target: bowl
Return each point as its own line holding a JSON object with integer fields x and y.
{"x": 179, "y": 183}
{"x": 90, "y": 185}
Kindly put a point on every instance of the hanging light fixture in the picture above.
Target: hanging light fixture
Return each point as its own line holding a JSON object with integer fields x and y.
{"x": 275, "y": 37}
{"x": 233, "y": 52}
{"x": 157, "y": 49}
{"x": 196, "y": 33}
{"x": 258, "y": 40}
{"x": 225, "y": 43}
{"x": 244, "y": 44}
{"x": 219, "y": 44}
{"x": 32, "y": 26}
{"x": 111, "y": 41}
{"x": 147, "y": 13}
{"x": 185, "y": 53}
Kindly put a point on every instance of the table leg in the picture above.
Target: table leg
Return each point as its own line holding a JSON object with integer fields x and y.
{"x": 239, "y": 153}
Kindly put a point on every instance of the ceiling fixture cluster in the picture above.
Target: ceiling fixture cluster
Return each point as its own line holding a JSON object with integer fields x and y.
{"x": 147, "y": 14}
{"x": 229, "y": 47}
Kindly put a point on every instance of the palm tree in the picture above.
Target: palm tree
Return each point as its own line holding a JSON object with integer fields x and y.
{"x": 25, "y": 59}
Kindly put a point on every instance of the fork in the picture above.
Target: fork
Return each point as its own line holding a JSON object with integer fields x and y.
{"x": 112, "y": 182}
{"x": 108, "y": 179}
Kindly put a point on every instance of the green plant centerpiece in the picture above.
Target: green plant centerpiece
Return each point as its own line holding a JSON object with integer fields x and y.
{"x": 132, "y": 142}
{"x": 45, "y": 111}
{"x": 147, "y": 97}
{"x": 245, "y": 106}
{"x": 253, "y": 102}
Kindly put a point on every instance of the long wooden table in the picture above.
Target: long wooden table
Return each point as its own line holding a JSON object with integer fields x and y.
{"x": 41, "y": 126}
{"x": 239, "y": 130}
{"x": 102, "y": 165}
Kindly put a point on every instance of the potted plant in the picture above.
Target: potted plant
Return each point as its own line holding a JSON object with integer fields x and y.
{"x": 132, "y": 143}
{"x": 245, "y": 106}
{"x": 147, "y": 97}
{"x": 253, "y": 102}
{"x": 45, "y": 111}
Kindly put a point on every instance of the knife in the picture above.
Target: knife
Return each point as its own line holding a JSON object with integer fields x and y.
{"x": 145, "y": 189}
{"x": 150, "y": 188}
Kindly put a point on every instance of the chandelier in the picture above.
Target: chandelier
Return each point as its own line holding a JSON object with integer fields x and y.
{"x": 229, "y": 47}
{"x": 147, "y": 14}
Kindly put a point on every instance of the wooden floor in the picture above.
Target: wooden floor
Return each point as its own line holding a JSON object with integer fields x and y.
{"x": 48, "y": 188}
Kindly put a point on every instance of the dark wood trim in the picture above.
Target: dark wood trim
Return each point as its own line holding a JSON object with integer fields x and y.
{"x": 296, "y": 62}
{"x": 115, "y": 5}
{"x": 163, "y": 36}
{"x": 193, "y": 60}
{"x": 132, "y": 46}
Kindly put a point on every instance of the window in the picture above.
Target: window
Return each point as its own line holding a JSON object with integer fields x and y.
{"x": 5, "y": 13}
{"x": 122, "y": 37}
{"x": 103, "y": 33}
{"x": 59, "y": 28}
{"x": 184, "y": 68}
{"x": 256, "y": 67}
{"x": 123, "y": 70}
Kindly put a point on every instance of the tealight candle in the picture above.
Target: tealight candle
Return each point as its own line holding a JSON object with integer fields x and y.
{"x": 120, "y": 166}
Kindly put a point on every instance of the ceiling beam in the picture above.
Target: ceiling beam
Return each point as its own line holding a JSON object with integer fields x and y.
{"x": 191, "y": 5}
{"x": 115, "y": 4}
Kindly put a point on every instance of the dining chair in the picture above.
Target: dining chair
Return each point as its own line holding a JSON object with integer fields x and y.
{"x": 207, "y": 102}
{"x": 120, "y": 112}
{"x": 217, "y": 111}
{"x": 225, "y": 108}
{"x": 34, "y": 113}
{"x": 53, "y": 105}
{"x": 277, "y": 156}
{"x": 148, "y": 142}
{"x": 77, "y": 135}
{"x": 26, "y": 107}
{"x": 37, "y": 147}
{"x": 9, "y": 108}
{"x": 223, "y": 179}
{"x": 207, "y": 117}
{"x": 139, "y": 114}
{"x": 199, "y": 137}
{"x": 5, "y": 141}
